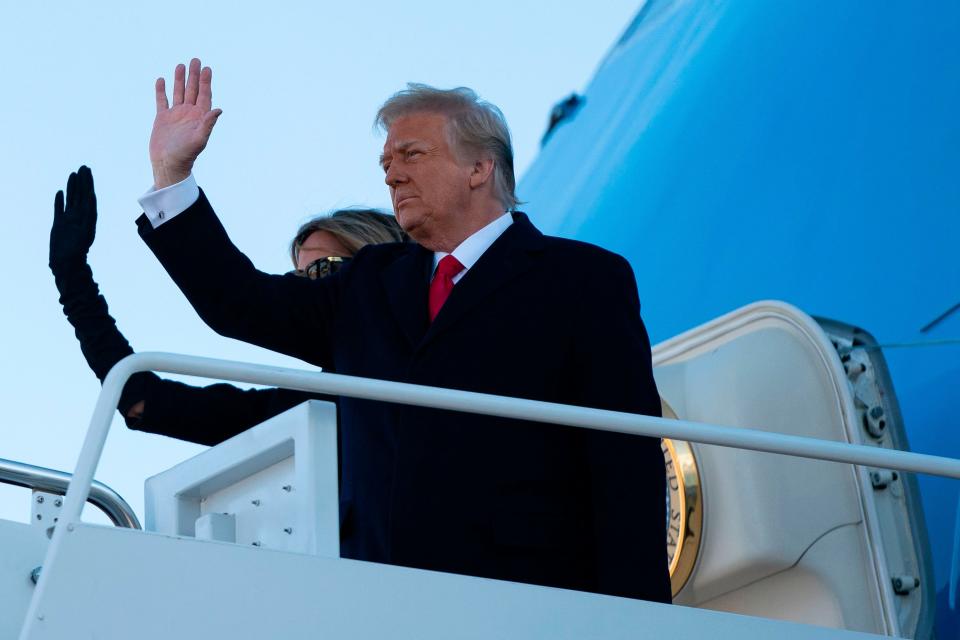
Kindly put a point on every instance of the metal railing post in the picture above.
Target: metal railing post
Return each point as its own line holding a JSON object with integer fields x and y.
{"x": 52, "y": 481}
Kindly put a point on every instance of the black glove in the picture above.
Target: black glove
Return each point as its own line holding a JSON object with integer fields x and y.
{"x": 102, "y": 344}
{"x": 75, "y": 226}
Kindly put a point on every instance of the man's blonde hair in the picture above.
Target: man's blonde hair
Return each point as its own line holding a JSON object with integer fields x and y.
{"x": 474, "y": 126}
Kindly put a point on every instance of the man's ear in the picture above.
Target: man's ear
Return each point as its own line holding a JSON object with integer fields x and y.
{"x": 482, "y": 173}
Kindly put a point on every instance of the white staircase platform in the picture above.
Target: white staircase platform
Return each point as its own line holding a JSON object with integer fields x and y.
{"x": 111, "y": 583}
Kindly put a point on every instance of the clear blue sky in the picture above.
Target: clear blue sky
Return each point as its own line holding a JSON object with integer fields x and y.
{"x": 299, "y": 84}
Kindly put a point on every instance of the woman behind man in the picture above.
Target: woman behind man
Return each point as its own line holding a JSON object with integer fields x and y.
{"x": 204, "y": 415}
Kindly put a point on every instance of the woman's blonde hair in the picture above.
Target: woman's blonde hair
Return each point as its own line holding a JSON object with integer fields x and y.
{"x": 354, "y": 228}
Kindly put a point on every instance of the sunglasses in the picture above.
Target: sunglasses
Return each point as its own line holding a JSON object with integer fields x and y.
{"x": 322, "y": 267}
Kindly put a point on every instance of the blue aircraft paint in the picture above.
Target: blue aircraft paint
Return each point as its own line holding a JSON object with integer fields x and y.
{"x": 806, "y": 151}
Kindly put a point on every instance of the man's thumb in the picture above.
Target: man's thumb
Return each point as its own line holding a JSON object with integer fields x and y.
{"x": 210, "y": 119}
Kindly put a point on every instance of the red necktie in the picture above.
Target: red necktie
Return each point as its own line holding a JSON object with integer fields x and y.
{"x": 442, "y": 283}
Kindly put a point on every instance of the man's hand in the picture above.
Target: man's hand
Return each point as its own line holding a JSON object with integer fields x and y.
{"x": 181, "y": 132}
{"x": 75, "y": 224}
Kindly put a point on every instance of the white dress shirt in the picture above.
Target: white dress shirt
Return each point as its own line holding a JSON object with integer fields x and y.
{"x": 470, "y": 250}
{"x": 161, "y": 205}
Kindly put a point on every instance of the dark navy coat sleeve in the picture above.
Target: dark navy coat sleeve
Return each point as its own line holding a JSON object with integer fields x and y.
{"x": 204, "y": 415}
{"x": 627, "y": 477}
{"x": 289, "y": 314}
{"x": 211, "y": 414}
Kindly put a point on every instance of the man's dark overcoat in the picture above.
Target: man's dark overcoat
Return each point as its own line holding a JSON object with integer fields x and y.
{"x": 536, "y": 317}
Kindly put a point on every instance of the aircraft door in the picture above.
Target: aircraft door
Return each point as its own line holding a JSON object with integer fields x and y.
{"x": 773, "y": 535}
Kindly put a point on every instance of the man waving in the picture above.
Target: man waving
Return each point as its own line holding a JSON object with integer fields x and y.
{"x": 483, "y": 302}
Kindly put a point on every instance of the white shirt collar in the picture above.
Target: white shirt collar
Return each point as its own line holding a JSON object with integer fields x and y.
{"x": 470, "y": 250}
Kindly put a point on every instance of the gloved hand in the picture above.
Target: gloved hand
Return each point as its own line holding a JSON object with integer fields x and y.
{"x": 102, "y": 344}
{"x": 74, "y": 225}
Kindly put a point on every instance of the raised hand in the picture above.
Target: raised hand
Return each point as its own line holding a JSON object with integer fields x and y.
{"x": 74, "y": 222}
{"x": 181, "y": 132}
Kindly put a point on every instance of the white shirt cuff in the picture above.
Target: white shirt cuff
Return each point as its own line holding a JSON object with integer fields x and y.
{"x": 161, "y": 205}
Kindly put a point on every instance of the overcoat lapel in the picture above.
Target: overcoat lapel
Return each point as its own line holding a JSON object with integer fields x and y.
{"x": 406, "y": 281}
{"x": 507, "y": 258}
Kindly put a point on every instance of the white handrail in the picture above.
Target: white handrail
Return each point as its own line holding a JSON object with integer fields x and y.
{"x": 438, "y": 398}
{"x": 471, "y": 402}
